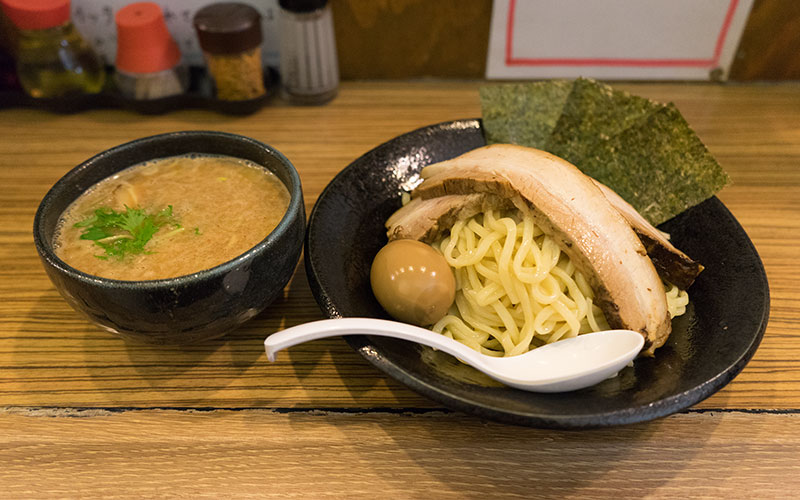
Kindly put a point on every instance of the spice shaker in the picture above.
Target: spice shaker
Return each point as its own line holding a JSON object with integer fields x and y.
{"x": 230, "y": 36}
{"x": 52, "y": 58}
{"x": 148, "y": 59}
{"x": 309, "y": 66}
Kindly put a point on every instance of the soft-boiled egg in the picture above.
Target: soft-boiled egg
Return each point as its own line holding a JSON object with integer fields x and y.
{"x": 413, "y": 282}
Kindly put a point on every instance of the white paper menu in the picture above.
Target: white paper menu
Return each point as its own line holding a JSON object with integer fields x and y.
{"x": 615, "y": 39}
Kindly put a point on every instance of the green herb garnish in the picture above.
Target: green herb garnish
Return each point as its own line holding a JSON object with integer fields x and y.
{"x": 124, "y": 233}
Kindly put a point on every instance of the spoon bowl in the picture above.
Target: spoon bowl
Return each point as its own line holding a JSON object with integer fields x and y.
{"x": 562, "y": 366}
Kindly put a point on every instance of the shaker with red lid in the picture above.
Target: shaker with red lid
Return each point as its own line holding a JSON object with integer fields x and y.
{"x": 148, "y": 63}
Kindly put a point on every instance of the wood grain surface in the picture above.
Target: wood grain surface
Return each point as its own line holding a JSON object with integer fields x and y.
{"x": 769, "y": 44}
{"x": 412, "y": 38}
{"x": 265, "y": 454}
{"x": 87, "y": 414}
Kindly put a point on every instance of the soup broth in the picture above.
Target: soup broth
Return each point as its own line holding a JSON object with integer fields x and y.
{"x": 205, "y": 210}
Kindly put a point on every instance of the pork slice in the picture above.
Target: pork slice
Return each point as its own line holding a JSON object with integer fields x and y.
{"x": 425, "y": 220}
{"x": 672, "y": 265}
{"x": 568, "y": 206}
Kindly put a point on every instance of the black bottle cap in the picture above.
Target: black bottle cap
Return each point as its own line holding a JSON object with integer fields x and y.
{"x": 228, "y": 28}
{"x": 300, "y": 6}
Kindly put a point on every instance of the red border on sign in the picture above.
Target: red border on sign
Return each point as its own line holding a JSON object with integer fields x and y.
{"x": 522, "y": 61}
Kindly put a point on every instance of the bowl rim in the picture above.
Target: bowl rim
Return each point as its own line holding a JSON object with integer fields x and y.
{"x": 385, "y": 358}
{"x": 295, "y": 208}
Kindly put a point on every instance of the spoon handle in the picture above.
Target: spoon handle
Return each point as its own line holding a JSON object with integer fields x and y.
{"x": 366, "y": 326}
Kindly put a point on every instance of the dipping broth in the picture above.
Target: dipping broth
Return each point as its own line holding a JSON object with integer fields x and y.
{"x": 205, "y": 210}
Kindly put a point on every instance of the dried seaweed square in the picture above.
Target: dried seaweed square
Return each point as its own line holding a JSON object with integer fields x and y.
{"x": 522, "y": 113}
{"x": 659, "y": 165}
{"x": 593, "y": 113}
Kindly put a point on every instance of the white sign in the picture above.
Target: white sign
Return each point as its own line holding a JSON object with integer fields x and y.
{"x": 615, "y": 39}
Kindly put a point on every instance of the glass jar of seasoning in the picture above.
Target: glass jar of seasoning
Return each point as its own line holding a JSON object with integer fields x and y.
{"x": 52, "y": 58}
{"x": 309, "y": 65}
{"x": 148, "y": 59}
{"x": 230, "y": 36}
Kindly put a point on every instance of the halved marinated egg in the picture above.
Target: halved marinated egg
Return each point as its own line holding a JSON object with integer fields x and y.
{"x": 413, "y": 282}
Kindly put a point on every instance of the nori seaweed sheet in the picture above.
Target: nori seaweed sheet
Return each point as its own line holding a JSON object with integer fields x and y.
{"x": 642, "y": 149}
{"x": 522, "y": 113}
{"x": 659, "y": 165}
{"x": 593, "y": 113}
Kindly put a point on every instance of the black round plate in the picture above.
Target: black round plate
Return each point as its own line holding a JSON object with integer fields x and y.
{"x": 709, "y": 345}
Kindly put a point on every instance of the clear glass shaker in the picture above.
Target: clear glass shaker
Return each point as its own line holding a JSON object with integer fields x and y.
{"x": 53, "y": 59}
{"x": 230, "y": 36}
{"x": 309, "y": 65}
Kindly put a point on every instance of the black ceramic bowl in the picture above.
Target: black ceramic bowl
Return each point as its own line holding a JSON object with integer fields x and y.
{"x": 189, "y": 308}
{"x": 709, "y": 345}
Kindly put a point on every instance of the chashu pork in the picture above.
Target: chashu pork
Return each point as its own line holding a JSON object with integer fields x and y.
{"x": 569, "y": 207}
{"x": 425, "y": 220}
{"x": 673, "y": 265}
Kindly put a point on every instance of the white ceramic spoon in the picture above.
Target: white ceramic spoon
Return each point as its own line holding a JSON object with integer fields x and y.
{"x": 566, "y": 365}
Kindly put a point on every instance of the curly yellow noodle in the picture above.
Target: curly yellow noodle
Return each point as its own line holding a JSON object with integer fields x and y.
{"x": 516, "y": 290}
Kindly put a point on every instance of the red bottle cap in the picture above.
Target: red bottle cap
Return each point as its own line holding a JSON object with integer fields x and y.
{"x": 37, "y": 14}
{"x": 144, "y": 44}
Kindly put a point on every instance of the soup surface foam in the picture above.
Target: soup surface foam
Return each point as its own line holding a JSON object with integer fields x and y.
{"x": 210, "y": 210}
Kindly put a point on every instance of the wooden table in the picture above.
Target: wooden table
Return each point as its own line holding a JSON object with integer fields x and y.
{"x": 85, "y": 414}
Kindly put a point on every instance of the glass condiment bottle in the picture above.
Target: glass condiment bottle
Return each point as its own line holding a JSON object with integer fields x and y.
{"x": 148, "y": 59}
{"x": 52, "y": 58}
{"x": 230, "y": 36}
{"x": 309, "y": 65}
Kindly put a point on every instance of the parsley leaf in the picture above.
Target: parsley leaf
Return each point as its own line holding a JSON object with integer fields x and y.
{"x": 123, "y": 233}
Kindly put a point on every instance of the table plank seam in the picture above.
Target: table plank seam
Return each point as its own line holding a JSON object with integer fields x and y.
{"x": 78, "y": 410}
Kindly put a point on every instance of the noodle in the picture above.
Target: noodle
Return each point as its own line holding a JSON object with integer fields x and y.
{"x": 515, "y": 289}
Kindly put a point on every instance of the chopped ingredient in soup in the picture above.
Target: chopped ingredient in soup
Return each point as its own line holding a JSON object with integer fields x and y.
{"x": 171, "y": 217}
{"x": 121, "y": 233}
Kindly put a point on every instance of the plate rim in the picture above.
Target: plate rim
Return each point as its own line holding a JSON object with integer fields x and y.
{"x": 656, "y": 409}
